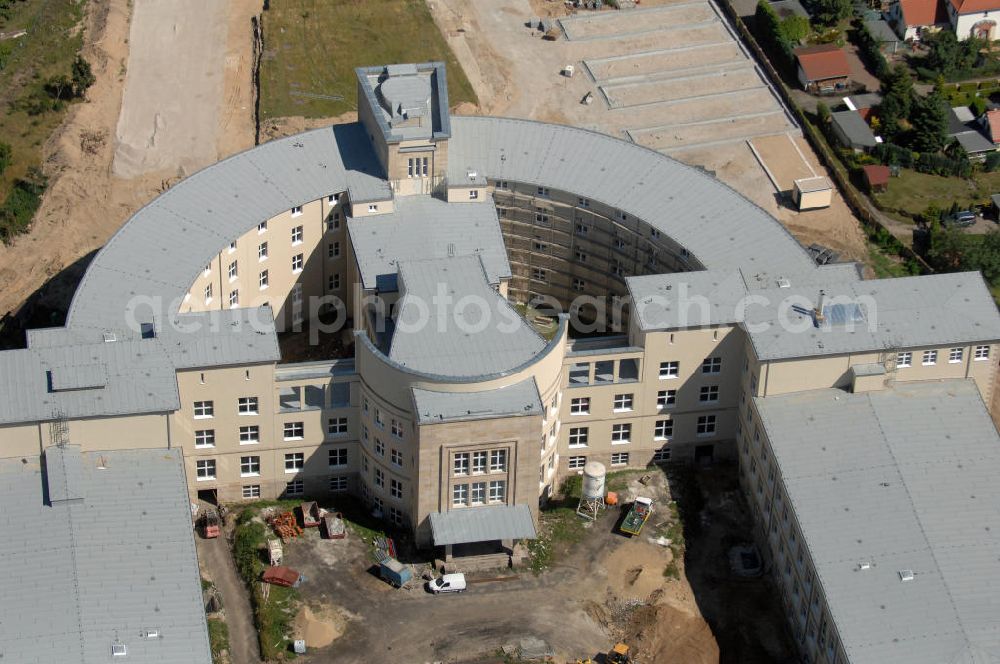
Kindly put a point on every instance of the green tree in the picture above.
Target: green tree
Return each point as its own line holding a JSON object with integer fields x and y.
{"x": 795, "y": 28}
{"x": 83, "y": 76}
{"x": 897, "y": 99}
{"x": 930, "y": 123}
{"x": 984, "y": 256}
{"x": 947, "y": 55}
{"x": 947, "y": 248}
{"x": 6, "y": 156}
{"x": 830, "y": 12}
{"x": 823, "y": 113}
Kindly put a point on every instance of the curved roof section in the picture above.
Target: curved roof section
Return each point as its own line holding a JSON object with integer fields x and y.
{"x": 160, "y": 250}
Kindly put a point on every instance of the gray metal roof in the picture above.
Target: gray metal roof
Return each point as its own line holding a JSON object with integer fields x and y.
{"x": 973, "y": 141}
{"x": 426, "y": 227}
{"x": 487, "y": 336}
{"x": 408, "y": 101}
{"x": 117, "y": 563}
{"x": 904, "y": 479}
{"x": 513, "y": 400}
{"x": 854, "y": 127}
{"x": 881, "y": 31}
{"x": 720, "y": 228}
{"x": 908, "y": 312}
{"x": 482, "y": 524}
{"x": 74, "y": 372}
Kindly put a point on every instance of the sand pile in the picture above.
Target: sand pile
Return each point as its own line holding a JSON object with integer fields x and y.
{"x": 666, "y": 635}
{"x": 319, "y": 628}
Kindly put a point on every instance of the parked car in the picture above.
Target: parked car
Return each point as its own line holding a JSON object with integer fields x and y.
{"x": 961, "y": 219}
{"x": 447, "y": 583}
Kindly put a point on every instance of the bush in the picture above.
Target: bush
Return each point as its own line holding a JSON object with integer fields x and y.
{"x": 246, "y": 550}
{"x": 769, "y": 28}
{"x": 6, "y": 156}
{"x": 992, "y": 162}
{"x": 21, "y": 204}
{"x": 868, "y": 49}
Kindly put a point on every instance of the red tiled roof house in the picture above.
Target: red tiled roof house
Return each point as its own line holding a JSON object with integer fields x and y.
{"x": 991, "y": 126}
{"x": 974, "y": 18}
{"x": 822, "y": 69}
{"x": 912, "y": 17}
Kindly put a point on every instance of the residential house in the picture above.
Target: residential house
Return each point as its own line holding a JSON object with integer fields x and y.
{"x": 911, "y": 18}
{"x": 964, "y": 128}
{"x": 974, "y": 18}
{"x": 822, "y": 69}
{"x": 887, "y": 40}
{"x": 852, "y": 131}
{"x": 863, "y": 103}
{"x": 990, "y": 122}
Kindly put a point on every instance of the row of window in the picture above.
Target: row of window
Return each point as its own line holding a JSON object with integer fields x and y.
{"x": 338, "y": 484}
{"x": 930, "y": 357}
{"x": 620, "y": 458}
{"x": 625, "y": 402}
{"x": 249, "y": 434}
{"x": 461, "y": 462}
{"x": 396, "y": 456}
{"x": 621, "y": 433}
{"x": 395, "y": 426}
{"x": 475, "y": 493}
{"x": 205, "y": 469}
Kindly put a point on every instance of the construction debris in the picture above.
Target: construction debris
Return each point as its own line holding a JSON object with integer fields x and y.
{"x": 286, "y": 526}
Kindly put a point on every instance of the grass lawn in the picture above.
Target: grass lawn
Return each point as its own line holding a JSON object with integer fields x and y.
{"x": 218, "y": 637}
{"x": 53, "y": 40}
{"x": 311, "y": 47}
{"x": 912, "y": 193}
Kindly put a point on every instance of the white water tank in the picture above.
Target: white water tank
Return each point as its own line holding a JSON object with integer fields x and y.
{"x": 593, "y": 480}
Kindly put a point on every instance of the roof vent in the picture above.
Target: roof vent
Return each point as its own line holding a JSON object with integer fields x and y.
{"x": 150, "y": 634}
{"x": 473, "y": 175}
{"x": 906, "y": 575}
{"x": 864, "y": 564}
{"x": 784, "y": 283}
{"x": 109, "y": 337}
{"x": 118, "y": 649}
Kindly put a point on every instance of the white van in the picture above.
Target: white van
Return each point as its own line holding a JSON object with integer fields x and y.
{"x": 447, "y": 583}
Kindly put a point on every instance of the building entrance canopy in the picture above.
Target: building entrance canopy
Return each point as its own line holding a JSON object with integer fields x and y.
{"x": 482, "y": 524}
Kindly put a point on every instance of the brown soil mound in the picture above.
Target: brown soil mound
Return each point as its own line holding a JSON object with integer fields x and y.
{"x": 665, "y": 635}
{"x": 319, "y": 629}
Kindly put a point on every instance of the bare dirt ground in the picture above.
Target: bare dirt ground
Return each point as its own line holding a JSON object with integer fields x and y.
{"x": 217, "y": 566}
{"x": 599, "y": 590}
{"x": 86, "y": 202}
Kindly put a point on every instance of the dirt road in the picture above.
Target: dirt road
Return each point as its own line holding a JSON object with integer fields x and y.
{"x": 86, "y": 202}
{"x": 217, "y": 566}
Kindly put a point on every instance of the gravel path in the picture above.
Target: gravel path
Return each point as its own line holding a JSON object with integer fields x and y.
{"x": 215, "y": 557}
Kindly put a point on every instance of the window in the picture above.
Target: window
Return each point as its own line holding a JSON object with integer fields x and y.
{"x": 618, "y": 268}
{"x": 396, "y": 428}
{"x": 297, "y": 263}
{"x": 478, "y": 493}
{"x": 498, "y": 491}
{"x": 578, "y": 436}
{"x": 333, "y": 250}
{"x": 336, "y": 426}
{"x": 333, "y": 283}
{"x": 395, "y": 489}
{"x": 262, "y": 280}
{"x": 249, "y": 434}
{"x": 539, "y": 246}
{"x": 473, "y": 194}
{"x": 338, "y": 484}
{"x": 711, "y": 365}
{"x": 619, "y": 459}
{"x": 208, "y": 293}
{"x": 666, "y": 398}
{"x": 460, "y": 464}
{"x": 581, "y": 255}
{"x": 372, "y": 207}
{"x": 577, "y": 462}
{"x": 234, "y": 298}
{"x": 460, "y": 495}
{"x": 543, "y": 191}
{"x": 478, "y": 463}
{"x": 379, "y": 447}
{"x": 581, "y": 229}
{"x": 233, "y": 271}
{"x": 296, "y": 235}
{"x": 904, "y": 359}
{"x": 249, "y": 466}
{"x": 583, "y": 202}
{"x": 379, "y": 478}
{"x": 954, "y": 355}
{"x": 541, "y": 218}
{"x": 930, "y": 357}
{"x": 982, "y": 353}
{"x": 654, "y": 233}
{"x": 204, "y": 438}
{"x": 295, "y": 488}
{"x": 232, "y": 246}
{"x": 709, "y": 394}
{"x": 333, "y": 222}
{"x": 262, "y": 227}
{"x": 663, "y": 429}
{"x": 251, "y": 491}
{"x": 337, "y": 456}
{"x": 396, "y": 457}
{"x": 621, "y": 433}
{"x": 579, "y": 284}
{"x": 662, "y": 454}
{"x": 205, "y": 469}
{"x": 379, "y": 422}
{"x": 580, "y": 406}
{"x": 538, "y": 273}
{"x": 622, "y": 402}
{"x": 396, "y": 516}
{"x": 294, "y": 431}
{"x": 377, "y": 504}
{"x": 297, "y": 210}
{"x": 706, "y": 425}
{"x": 498, "y": 461}
{"x": 248, "y": 406}
{"x": 669, "y": 369}
{"x": 619, "y": 243}
{"x": 204, "y": 409}
{"x": 294, "y": 462}
{"x": 262, "y": 251}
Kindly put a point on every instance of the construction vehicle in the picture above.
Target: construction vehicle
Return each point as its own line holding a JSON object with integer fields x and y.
{"x": 637, "y": 516}
{"x": 210, "y": 524}
{"x": 619, "y": 655}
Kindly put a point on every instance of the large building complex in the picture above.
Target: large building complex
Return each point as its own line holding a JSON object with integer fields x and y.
{"x": 425, "y": 235}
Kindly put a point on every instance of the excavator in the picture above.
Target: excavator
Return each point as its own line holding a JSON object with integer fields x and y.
{"x": 618, "y": 655}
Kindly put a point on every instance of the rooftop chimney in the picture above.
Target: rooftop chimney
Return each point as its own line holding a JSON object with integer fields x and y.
{"x": 818, "y": 311}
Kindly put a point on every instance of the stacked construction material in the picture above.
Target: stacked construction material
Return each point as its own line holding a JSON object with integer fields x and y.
{"x": 286, "y": 526}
